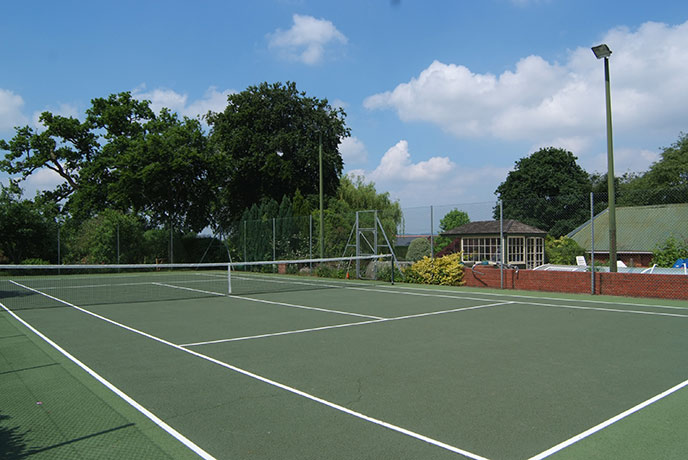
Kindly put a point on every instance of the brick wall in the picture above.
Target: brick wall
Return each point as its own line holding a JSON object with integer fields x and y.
{"x": 622, "y": 284}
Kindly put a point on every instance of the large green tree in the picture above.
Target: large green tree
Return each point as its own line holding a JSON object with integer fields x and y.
{"x": 265, "y": 145}
{"x": 67, "y": 147}
{"x": 666, "y": 181}
{"x": 124, "y": 157}
{"x": 671, "y": 170}
{"x": 548, "y": 190}
{"x": 27, "y": 229}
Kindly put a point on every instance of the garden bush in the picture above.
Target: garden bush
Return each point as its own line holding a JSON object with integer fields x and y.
{"x": 562, "y": 250}
{"x": 419, "y": 248}
{"x": 667, "y": 254}
{"x": 445, "y": 271}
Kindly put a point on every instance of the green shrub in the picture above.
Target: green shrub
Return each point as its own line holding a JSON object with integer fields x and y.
{"x": 445, "y": 271}
{"x": 384, "y": 273}
{"x": 328, "y": 271}
{"x": 419, "y": 248}
{"x": 667, "y": 254}
{"x": 562, "y": 250}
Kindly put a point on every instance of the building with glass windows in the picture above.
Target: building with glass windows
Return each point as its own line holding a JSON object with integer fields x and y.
{"x": 480, "y": 242}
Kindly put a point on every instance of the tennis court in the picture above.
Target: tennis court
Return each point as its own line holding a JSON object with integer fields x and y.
{"x": 342, "y": 369}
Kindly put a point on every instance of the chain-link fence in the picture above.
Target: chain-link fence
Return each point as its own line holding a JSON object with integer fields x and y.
{"x": 647, "y": 231}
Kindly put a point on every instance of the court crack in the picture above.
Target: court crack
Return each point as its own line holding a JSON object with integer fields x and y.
{"x": 359, "y": 393}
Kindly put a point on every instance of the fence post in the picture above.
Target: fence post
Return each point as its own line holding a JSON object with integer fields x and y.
{"x": 274, "y": 240}
{"x": 432, "y": 231}
{"x": 592, "y": 243}
{"x": 59, "y": 255}
{"x": 501, "y": 245}
{"x": 310, "y": 240}
{"x": 245, "y": 254}
{"x": 118, "y": 243}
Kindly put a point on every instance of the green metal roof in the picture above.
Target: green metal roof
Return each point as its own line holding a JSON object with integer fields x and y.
{"x": 638, "y": 228}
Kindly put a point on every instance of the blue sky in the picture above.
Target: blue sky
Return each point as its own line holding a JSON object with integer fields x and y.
{"x": 442, "y": 97}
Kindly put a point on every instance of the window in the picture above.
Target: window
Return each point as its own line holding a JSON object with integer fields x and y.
{"x": 515, "y": 250}
{"x": 479, "y": 249}
{"x": 535, "y": 252}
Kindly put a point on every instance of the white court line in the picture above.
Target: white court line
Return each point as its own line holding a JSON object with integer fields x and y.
{"x": 275, "y": 334}
{"x": 184, "y": 288}
{"x": 274, "y": 383}
{"x": 177, "y": 435}
{"x": 283, "y": 304}
{"x": 358, "y": 287}
{"x": 609, "y": 422}
{"x": 291, "y": 305}
{"x": 492, "y": 294}
{"x": 612, "y": 310}
{"x": 336, "y": 326}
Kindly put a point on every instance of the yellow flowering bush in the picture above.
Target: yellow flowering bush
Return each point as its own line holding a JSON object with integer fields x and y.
{"x": 445, "y": 271}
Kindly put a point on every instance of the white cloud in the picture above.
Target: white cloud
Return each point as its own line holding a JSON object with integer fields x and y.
{"x": 540, "y": 102}
{"x": 396, "y": 165}
{"x": 40, "y": 180}
{"x": 11, "y": 110}
{"x": 161, "y": 97}
{"x": 625, "y": 160}
{"x": 438, "y": 180}
{"x": 306, "y": 40}
{"x": 212, "y": 100}
{"x": 353, "y": 151}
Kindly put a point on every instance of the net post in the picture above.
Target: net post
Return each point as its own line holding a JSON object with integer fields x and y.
{"x": 229, "y": 278}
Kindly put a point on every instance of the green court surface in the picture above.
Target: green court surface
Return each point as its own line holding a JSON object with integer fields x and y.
{"x": 359, "y": 371}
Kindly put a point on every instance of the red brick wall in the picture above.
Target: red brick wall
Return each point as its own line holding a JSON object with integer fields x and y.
{"x": 622, "y": 284}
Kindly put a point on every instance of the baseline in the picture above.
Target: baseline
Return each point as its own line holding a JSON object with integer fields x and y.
{"x": 609, "y": 422}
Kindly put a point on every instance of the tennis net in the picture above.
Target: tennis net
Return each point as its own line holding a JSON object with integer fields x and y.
{"x": 49, "y": 286}
{"x": 302, "y": 275}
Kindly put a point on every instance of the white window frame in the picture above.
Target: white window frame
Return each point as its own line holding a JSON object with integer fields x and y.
{"x": 480, "y": 248}
{"x": 535, "y": 252}
{"x": 515, "y": 252}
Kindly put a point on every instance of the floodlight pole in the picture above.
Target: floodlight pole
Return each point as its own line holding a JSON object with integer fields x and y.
{"x": 603, "y": 52}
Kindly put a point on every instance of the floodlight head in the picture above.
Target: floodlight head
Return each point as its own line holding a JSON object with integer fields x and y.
{"x": 601, "y": 51}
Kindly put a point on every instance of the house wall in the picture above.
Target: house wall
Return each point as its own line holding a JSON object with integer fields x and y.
{"x": 621, "y": 284}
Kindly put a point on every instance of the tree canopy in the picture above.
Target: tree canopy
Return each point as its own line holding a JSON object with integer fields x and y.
{"x": 27, "y": 228}
{"x": 124, "y": 157}
{"x": 265, "y": 145}
{"x": 548, "y": 190}
{"x": 666, "y": 180}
